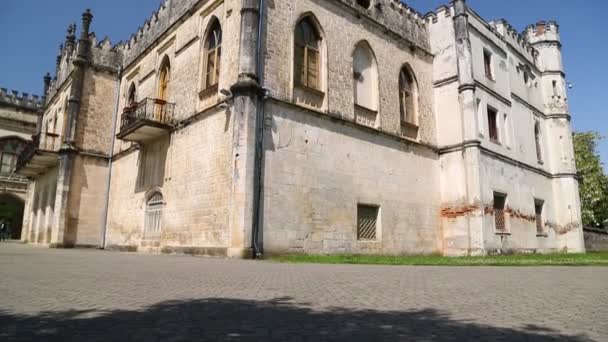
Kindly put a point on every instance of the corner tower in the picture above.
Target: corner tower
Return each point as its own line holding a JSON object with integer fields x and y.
{"x": 545, "y": 38}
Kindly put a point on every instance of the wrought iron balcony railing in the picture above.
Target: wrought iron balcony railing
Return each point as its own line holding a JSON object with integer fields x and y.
{"x": 155, "y": 110}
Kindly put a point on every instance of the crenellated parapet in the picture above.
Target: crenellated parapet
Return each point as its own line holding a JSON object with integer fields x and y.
{"x": 21, "y": 100}
{"x": 169, "y": 12}
{"x": 441, "y": 14}
{"x": 102, "y": 55}
{"x": 397, "y": 17}
{"x": 543, "y": 31}
{"x": 518, "y": 41}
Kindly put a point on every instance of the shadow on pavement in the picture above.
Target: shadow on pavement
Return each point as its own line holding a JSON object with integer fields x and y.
{"x": 243, "y": 320}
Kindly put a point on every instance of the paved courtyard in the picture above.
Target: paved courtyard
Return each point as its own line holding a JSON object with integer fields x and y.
{"x": 89, "y": 295}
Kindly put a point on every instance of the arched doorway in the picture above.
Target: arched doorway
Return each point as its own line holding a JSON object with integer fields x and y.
{"x": 11, "y": 212}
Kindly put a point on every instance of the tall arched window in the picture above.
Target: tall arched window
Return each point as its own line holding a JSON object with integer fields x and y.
{"x": 132, "y": 96}
{"x": 408, "y": 96}
{"x": 365, "y": 74}
{"x": 64, "y": 119}
{"x": 164, "y": 80}
{"x": 154, "y": 210}
{"x": 307, "y": 54}
{"x": 213, "y": 54}
{"x": 539, "y": 153}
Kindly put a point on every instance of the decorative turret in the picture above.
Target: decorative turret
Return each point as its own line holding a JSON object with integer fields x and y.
{"x": 47, "y": 85}
{"x": 84, "y": 43}
{"x": 544, "y": 36}
{"x": 70, "y": 39}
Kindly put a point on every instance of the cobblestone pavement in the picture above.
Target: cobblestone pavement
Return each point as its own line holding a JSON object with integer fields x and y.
{"x": 89, "y": 295}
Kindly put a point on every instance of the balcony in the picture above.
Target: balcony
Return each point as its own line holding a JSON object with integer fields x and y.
{"x": 146, "y": 120}
{"x": 40, "y": 155}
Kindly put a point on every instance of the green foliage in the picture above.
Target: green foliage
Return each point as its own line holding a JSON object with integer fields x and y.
{"x": 594, "y": 182}
{"x": 557, "y": 259}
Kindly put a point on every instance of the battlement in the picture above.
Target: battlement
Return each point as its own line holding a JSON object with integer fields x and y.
{"x": 169, "y": 12}
{"x": 514, "y": 38}
{"x": 440, "y": 14}
{"x": 21, "y": 100}
{"x": 543, "y": 31}
{"x": 397, "y": 17}
{"x": 102, "y": 55}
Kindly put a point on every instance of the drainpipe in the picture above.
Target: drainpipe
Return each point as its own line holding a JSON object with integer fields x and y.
{"x": 104, "y": 223}
{"x": 259, "y": 143}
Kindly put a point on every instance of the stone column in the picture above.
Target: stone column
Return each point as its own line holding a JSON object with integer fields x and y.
{"x": 246, "y": 93}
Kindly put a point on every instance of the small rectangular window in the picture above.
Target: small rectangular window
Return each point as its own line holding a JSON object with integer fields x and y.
{"x": 487, "y": 62}
{"x": 492, "y": 124}
{"x": 9, "y": 161}
{"x": 367, "y": 222}
{"x": 499, "y": 212}
{"x": 538, "y": 208}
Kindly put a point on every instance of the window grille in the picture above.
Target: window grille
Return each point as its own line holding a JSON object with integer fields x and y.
{"x": 499, "y": 212}
{"x": 367, "y": 222}
{"x": 154, "y": 209}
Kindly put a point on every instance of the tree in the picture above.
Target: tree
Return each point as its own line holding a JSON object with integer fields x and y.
{"x": 593, "y": 179}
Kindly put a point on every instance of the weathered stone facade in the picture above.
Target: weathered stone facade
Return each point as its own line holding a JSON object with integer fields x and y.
{"x": 174, "y": 145}
{"x": 18, "y": 119}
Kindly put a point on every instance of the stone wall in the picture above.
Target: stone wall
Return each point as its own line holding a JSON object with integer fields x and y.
{"x": 317, "y": 169}
{"x": 596, "y": 240}
{"x": 341, "y": 29}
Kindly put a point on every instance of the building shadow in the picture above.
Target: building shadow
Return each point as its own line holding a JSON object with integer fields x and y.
{"x": 280, "y": 319}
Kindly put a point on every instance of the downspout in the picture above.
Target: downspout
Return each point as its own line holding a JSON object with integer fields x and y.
{"x": 259, "y": 145}
{"x": 106, "y": 204}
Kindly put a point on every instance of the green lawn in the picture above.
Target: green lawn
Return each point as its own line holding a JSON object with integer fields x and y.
{"x": 590, "y": 259}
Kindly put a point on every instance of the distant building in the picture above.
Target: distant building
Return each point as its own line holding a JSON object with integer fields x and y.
{"x": 18, "y": 118}
{"x": 345, "y": 127}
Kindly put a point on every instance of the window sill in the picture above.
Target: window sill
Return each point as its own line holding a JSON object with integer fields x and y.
{"x": 368, "y": 241}
{"x": 490, "y": 78}
{"x": 502, "y": 233}
{"x": 540, "y": 162}
{"x": 494, "y": 141}
{"x": 363, "y": 108}
{"x": 208, "y": 91}
{"x": 314, "y": 91}
{"x": 542, "y": 235}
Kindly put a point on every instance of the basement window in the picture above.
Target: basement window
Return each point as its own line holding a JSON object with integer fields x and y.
{"x": 499, "y": 212}
{"x": 367, "y": 222}
{"x": 493, "y": 124}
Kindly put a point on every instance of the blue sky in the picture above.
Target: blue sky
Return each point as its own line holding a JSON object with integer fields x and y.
{"x": 31, "y": 31}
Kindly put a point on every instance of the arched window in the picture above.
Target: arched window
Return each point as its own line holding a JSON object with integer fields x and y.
{"x": 307, "y": 54}
{"x": 365, "y": 73}
{"x": 154, "y": 210}
{"x": 165, "y": 78}
{"x": 64, "y": 119}
{"x": 539, "y": 153}
{"x": 213, "y": 54}
{"x": 408, "y": 96}
{"x": 132, "y": 96}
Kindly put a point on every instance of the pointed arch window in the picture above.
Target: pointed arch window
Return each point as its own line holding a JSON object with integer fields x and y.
{"x": 164, "y": 80}
{"x": 154, "y": 210}
{"x": 365, "y": 74}
{"x": 307, "y": 47}
{"x": 132, "y": 96}
{"x": 213, "y": 54}
{"x": 408, "y": 95}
